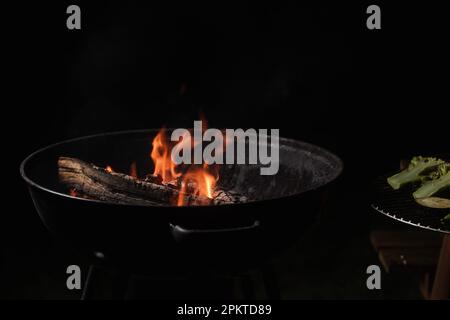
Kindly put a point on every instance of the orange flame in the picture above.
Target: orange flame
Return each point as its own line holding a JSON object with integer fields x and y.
{"x": 109, "y": 169}
{"x": 164, "y": 166}
{"x": 197, "y": 179}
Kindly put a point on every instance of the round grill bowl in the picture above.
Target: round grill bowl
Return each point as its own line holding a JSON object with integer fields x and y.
{"x": 283, "y": 207}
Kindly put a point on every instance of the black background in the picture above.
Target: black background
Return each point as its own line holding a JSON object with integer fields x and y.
{"x": 313, "y": 70}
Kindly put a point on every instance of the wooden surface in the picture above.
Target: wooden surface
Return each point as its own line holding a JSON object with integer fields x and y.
{"x": 405, "y": 239}
{"x": 422, "y": 251}
{"x": 417, "y": 250}
{"x": 441, "y": 284}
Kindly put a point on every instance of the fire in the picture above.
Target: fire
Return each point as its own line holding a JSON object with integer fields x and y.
{"x": 164, "y": 166}
{"x": 196, "y": 179}
{"x": 109, "y": 169}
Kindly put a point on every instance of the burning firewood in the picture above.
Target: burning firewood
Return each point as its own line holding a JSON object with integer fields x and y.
{"x": 102, "y": 184}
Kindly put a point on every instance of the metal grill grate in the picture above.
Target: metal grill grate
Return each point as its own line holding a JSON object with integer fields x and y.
{"x": 400, "y": 205}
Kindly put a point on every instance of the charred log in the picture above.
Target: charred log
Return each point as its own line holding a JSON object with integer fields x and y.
{"x": 101, "y": 184}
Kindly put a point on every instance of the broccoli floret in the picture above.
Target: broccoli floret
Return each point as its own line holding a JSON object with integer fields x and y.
{"x": 418, "y": 170}
{"x": 439, "y": 180}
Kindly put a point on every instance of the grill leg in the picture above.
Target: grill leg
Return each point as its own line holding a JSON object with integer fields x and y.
{"x": 247, "y": 286}
{"x": 270, "y": 282}
{"x": 90, "y": 284}
{"x": 103, "y": 283}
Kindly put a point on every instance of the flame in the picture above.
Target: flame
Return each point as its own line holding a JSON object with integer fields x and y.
{"x": 109, "y": 169}
{"x": 197, "y": 179}
{"x": 164, "y": 166}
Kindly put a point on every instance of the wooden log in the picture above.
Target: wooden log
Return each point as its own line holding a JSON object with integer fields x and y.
{"x": 99, "y": 183}
{"x": 222, "y": 196}
{"x": 93, "y": 190}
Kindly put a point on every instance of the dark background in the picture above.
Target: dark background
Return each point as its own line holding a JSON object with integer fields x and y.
{"x": 312, "y": 70}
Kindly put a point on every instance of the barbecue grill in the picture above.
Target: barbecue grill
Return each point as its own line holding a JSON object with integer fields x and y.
{"x": 401, "y": 206}
{"x": 283, "y": 206}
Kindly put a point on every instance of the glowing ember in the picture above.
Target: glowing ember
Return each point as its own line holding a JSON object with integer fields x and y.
{"x": 133, "y": 170}
{"x": 109, "y": 169}
{"x": 73, "y": 192}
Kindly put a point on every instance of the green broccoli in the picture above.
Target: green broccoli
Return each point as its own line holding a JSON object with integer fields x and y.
{"x": 418, "y": 170}
{"x": 438, "y": 180}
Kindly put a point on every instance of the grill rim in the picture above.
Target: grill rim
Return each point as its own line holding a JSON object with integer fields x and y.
{"x": 338, "y": 169}
{"x": 393, "y": 216}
